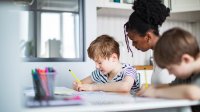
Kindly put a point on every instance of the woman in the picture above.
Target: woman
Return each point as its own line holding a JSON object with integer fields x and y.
{"x": 142, "y": 30}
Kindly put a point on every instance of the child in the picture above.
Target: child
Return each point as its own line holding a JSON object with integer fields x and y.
{"x": 110, "y": 75}
{"x": 178, "y": 51}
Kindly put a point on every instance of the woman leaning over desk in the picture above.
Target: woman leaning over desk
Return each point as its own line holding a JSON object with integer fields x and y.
{"x": 142, "y": 30}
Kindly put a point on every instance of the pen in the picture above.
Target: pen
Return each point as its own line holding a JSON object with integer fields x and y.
{"x": 74, "y": 76}
{"x": 145, "y": 75}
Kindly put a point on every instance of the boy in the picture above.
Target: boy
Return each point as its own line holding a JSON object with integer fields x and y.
{"x": 110, "y": 75}
{"x": 178, "y": 51}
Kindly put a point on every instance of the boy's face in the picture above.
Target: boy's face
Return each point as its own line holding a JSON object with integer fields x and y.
{"x": 182, "y": 70}
{"x": 105, "y": 65}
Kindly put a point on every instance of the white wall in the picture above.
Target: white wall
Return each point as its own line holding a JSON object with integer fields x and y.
{"x": 175, "y": 23}
{"x": 192, "y": 27}
{"x": 10, "y": 65}
{"x": 196, "y": 30}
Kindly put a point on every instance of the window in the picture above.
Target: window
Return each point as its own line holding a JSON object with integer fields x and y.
{"x": 55, "y": 31}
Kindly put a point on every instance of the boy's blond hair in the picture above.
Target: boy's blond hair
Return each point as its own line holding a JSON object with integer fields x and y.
{"x": 172, "y": 45}
{"x": 103, "y": 47}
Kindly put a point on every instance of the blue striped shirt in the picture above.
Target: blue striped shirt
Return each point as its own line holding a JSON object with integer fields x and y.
{"x": 127, "y": 70}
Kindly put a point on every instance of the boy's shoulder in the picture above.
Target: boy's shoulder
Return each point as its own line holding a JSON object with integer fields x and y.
{"x": 127, "y": 66}
{"x": 124, "y": 65}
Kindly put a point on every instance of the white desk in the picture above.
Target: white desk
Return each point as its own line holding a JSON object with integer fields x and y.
{"x": 113, "y": 102}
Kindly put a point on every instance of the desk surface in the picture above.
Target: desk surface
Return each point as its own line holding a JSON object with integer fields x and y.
{"x": 101, "y": 101}
{"x": 117, "y": 107}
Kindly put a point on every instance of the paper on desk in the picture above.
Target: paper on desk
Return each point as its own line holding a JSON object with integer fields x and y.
{"x": 58, "y": 91}
{"x": 64, "y": 91}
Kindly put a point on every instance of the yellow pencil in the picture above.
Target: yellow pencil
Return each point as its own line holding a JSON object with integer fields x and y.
{"x": 76, "y": 78}
{"x": 146, "y": 82}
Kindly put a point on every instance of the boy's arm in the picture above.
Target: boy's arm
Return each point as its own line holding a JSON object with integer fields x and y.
{"x": 87, "y": 80}
{"x": 143, "y": 88}
{"x": 120, "y": 86}
{"x": 191, "y": 92}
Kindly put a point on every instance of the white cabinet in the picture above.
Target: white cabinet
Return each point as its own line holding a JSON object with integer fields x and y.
{"x": 182, "y": 5}
{"x": 167, "y": 3}
{"x": 115, "y": 5}
{"x": 185, "y": 5}
{"x": 176, "y": 6}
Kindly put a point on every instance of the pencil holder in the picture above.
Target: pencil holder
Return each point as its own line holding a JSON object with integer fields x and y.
{"x": 43, "y": 84}
{"x": 51, "y": 84}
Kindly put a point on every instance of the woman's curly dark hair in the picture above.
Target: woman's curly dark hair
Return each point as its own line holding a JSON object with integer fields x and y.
{"x": 147, "y": 15}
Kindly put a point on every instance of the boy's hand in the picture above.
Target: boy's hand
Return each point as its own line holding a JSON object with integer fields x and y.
{"x": 76, "y": 85}
{"x": 148, "y": 92}
{"x": 141, "y": 90}
{"x": 86, "y": 87}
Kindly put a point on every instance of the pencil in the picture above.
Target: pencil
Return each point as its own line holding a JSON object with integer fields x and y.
{"x": 146, "y": 82}
{"x": 73, "y": 75}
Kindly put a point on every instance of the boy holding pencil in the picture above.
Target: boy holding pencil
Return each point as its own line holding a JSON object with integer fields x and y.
{"x": 178, "y": 51}
{"x": 110, "y": 75}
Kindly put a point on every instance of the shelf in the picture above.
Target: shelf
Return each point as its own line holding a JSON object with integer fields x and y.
{"x": 114, "y": 12}
{"x": 144, "y": 67}
{"x": 114, "y": 5}
{"x": 108, "y": 8}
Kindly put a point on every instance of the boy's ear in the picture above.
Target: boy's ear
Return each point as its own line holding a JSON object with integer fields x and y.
{"x": 186, "y": 58}
{"x": 114, "y": 57}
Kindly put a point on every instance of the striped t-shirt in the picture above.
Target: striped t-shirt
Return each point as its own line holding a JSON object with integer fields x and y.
{"x": 127, "y": 70}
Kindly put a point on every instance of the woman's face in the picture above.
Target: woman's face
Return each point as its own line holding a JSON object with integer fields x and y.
{"x": 139, "y": 42}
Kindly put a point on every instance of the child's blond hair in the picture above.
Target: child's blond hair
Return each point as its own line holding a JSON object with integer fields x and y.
{"x": 103, "y": 47}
